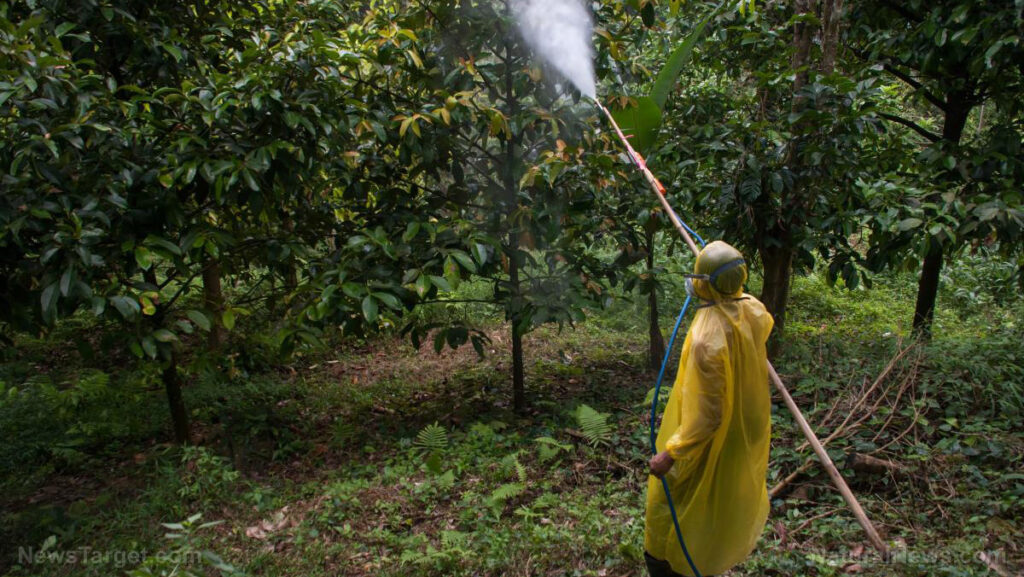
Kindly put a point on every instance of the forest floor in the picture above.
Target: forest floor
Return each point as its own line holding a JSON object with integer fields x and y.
{"x": 373, "y": 458}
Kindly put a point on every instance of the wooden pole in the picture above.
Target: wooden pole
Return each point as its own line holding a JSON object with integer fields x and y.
{"x": 826, "y": 461}
{"x": 656, "y": 186}
{"x": 819, "y": 450}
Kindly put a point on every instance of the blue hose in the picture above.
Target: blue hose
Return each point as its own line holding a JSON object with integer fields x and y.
{"x": 654, "y": 434}
{"x": 688, "y": 229}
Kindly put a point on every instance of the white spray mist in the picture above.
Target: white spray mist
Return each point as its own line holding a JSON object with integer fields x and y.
{"x": 559, "y": 31}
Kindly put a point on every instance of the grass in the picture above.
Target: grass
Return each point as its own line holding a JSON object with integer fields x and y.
{"x": 372, "y": 458}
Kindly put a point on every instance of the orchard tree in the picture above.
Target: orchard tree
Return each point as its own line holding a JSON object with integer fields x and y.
{"x": 144, "y": 146}
{"x": 768, "y": 138}
{"x": 960, "y": 63}
{"x": 474, "y": 164}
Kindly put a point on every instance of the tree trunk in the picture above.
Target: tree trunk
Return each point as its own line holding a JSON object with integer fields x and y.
{"x": 292, "y": 278}
{"x": 149, "y": 275}
{"x": 515, "y": 306}
{"x": 957, "y": 110}
{"x": 213, "y": 301}
{"x": 657, "y": 340}
{"x": 778, "y": 267}
{"x": 928, "y": 290}
{"x": 518, "y": 375}
{"x": 831, "y": 15}
{"x": 803, "y": 33}
{"x": 179, "y": 416}
{"x": 775, "y": 243}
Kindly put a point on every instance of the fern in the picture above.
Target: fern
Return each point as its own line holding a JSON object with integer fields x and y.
{"x": 595, "y": 425}
{"x": 548, "y": 448}
{"x": 432, "y": 438}
{"x": 662, "y": 397}
{"x": 446, "y": 482}
{"x": 507, "y": 491}
{"x": 344, "y": 432}
{"x": 454, "y": 539}
{"x": 511, "y": 467}
{"x": 496, "y": 502}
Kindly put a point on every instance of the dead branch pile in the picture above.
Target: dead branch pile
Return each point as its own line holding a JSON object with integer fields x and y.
{"x": 892, "y": 394}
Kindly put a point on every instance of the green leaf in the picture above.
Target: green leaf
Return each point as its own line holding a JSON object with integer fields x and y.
{"x": 464, "y": 260}
{"x": 173, "y": 50}
{"x": 66, "y": 279}
{"x": 353, "y": 290}
{"x": 987, "y": 211}
{"x": 143, "y": 257}
{"x": 249, "y": 180}
{"x": 674, "y": 66}
{"x": 149, "y": 345}
{"x": 411, "y": 230}
{"x": 388, "y": 299}
{"x": 49, "y": 301}
{"x": 640, "y": 123}
{"x": 432, "y": 437}
{"x": 164, "y": 336}
{"x": 128, "y": 307}
{"x": 228, "y": 319}
{"x": 157, "y": 242}
{"x": 480, "y": 253}
{"x": 908, "y": 223}
{"x": 422, "y": 285}
{"x": 594, "y": 425}
{"x": 370, "y": 308}
{"x": 200, "y": 319}
{"x": 441, "y": 283}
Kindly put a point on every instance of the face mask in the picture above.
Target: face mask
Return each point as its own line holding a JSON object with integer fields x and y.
{"x": 690, "y": 290}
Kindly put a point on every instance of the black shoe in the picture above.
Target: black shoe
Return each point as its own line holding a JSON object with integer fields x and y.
{"x": 659, "y": 568}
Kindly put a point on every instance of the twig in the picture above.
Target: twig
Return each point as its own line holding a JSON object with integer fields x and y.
{"x": 862, "y": 399}
{"x": 810, "y": 520}
{"x": 904, "y": 385}
{"x": 790, "y": 478}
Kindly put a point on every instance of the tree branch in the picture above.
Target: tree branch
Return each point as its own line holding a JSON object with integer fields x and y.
{"x": 911, "y": 125}
{"x": 905, "y": 77}
{"x": 916, "y": 85}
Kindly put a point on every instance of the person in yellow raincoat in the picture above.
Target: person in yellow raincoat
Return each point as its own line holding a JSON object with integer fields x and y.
{"x": 713, "y": 441}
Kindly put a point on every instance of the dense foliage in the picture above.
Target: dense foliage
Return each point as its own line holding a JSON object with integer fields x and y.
{"x": 235, "y": 210}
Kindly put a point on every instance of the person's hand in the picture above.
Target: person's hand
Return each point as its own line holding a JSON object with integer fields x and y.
{"x": 661, "y": 464}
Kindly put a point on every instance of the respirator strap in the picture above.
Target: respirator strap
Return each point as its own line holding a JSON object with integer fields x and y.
{"x": 725, "y": 267}
{"x": 713, "y": 277}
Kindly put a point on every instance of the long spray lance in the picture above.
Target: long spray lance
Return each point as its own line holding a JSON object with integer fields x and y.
{"x": 659, "y": 189}
{"x": 805, "y": 427}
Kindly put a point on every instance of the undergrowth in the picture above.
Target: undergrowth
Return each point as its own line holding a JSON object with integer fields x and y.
{"x": 371, "y": 458}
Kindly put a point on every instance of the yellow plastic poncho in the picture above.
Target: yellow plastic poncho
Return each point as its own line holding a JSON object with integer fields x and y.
{"x": 717, "y": 427}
